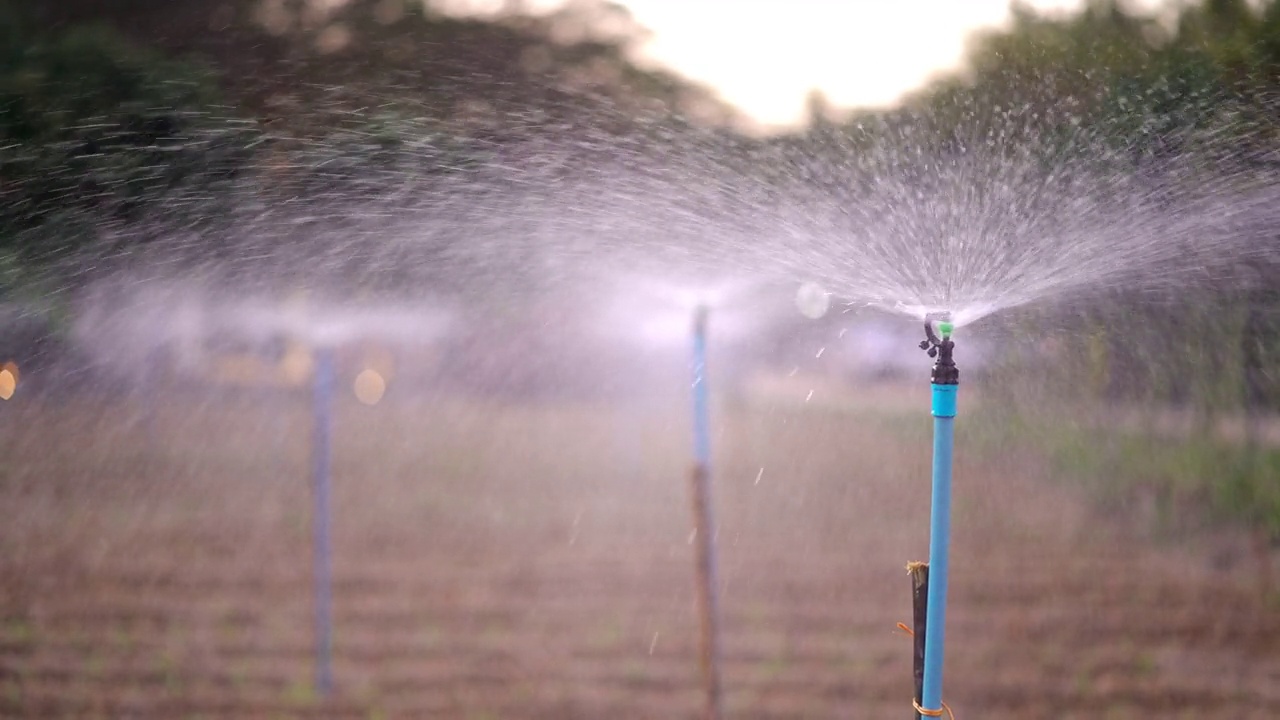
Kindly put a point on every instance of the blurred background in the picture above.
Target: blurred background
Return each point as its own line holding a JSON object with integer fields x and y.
{"x": 491, "y": 222}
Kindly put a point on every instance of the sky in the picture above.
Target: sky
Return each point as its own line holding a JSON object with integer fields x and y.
{"x": 764, "y": 56}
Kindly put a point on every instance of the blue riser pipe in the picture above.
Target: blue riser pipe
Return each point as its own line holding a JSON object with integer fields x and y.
{"x": 321, "y": 471}
{"x": 701, "y": 394}
{"x": 704, "y": 523}
{"x": 944, "y": 413}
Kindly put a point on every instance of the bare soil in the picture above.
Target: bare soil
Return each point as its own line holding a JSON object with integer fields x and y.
{"x": 535, "y": 562}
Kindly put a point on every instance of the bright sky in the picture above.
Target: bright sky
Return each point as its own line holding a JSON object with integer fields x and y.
{"x": 764, "y": 56}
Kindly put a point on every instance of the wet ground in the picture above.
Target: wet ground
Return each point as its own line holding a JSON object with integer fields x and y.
{"x": 535, "y": 562}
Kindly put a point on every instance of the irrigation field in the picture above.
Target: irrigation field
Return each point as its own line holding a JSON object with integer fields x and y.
{"x": 535, "y": 562}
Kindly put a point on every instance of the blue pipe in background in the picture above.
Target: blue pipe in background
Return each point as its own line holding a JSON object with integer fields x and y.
{"x": 151, "y": 369}
{"x": 701, "y": 394}
{"x": 704, "y": 522}
{"x": 321, "y": 470}
{"x": 944, "y": 413}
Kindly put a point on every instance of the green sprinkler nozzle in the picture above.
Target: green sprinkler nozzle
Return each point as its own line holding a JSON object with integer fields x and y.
{"x": 945, "y": 328}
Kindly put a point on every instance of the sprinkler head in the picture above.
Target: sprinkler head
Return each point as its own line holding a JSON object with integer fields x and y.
{"x": 700, "y": 314}
{"x": 941, "y": 348}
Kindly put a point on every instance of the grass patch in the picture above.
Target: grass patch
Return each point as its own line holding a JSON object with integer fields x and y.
{"x": 608, "y": 635}
{"x": 301, "y": 693}
{"x": 17, "y": 631}
{"x": 1189, "y": 480}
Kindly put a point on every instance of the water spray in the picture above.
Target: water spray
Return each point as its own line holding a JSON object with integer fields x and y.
{"x": 704, "y": 521}
{"x": 930, "y": 582}
{"x": 321, "y": 478}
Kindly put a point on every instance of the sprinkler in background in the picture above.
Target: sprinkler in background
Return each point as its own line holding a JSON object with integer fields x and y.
{"x": 929, "y": 580}
{"x": 673, "y": 315}
{"x": 666, "y": 315}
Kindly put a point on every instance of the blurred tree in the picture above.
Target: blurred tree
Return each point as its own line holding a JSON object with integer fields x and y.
{"x": 818, "y": 111}
{"x": 96, "y": 133}
{"x": 301, "y": 62}
{"x": 1143, "y": 82}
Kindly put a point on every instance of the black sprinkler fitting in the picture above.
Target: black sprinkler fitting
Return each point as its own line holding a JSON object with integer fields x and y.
{"x": 944, "y": 371}
{"x": 700, "y": 314}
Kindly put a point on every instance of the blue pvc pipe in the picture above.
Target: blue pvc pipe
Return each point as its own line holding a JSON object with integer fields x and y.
{"x": 944, "y": 413}
{"x": 321, "y": 471}
{"x": 701, "y": 395}
{"x": 705, "y": 519}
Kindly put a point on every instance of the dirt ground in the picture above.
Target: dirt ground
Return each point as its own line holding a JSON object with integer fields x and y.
{"x": 535, "y": 562}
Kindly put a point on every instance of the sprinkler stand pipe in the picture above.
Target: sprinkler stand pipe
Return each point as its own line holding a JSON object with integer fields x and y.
{"x": 919, "y": 573}
{"x": 704, "y": 521}
{"x": 945, "y": 384}
{"x": 321, "y": 478}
